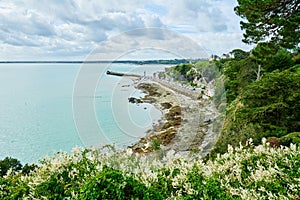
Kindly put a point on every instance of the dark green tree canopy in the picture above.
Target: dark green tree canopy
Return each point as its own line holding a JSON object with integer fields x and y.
{"x": 239, "y": 54}
{"x": 8, "y": 163}
{"x": 270, "y": 20}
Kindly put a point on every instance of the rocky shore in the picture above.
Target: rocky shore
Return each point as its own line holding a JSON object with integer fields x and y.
{"x": 188, "y": 123}
{"x": 164, "y": 132}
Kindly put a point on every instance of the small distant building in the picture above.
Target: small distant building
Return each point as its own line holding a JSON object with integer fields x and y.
{"x": 214, "y": 57}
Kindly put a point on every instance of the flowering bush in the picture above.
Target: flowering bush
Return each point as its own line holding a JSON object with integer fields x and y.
{"x": 247, "y": 172}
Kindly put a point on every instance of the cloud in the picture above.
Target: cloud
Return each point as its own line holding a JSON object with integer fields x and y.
{"x": 206, "y": 16}
{"x": 25, "y": 21}
{"x": 220, "y": 43}
{"x": 156, "y": 9}
{"x": 148, "y": 40}
{"x": 152, "y": 20}
{"x": 72, "y": 28}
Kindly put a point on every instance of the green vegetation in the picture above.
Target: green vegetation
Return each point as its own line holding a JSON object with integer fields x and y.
{"x": 12, "y": 165}
{"x": 267, "y": 107}
{"x": 262, "y": 92}
{"x": 9, "y": 163}
{"x": 246, "y": 172}
{"x": 262, "y": 86}
{"x": 271, "y": 20}
{"x": 193, "y": 74}
{"x": 155, "y": 144}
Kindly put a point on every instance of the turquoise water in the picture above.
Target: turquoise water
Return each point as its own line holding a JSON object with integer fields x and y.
{"x": 36, "y": 112}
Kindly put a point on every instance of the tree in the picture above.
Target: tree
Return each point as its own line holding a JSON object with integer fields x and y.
{"x": 9, "y": 163}
{"x": 238, "y": 74}
{"x": 265, "y": 108}
{"x": 272, "y": 57}
{"x": 28, "y": 168}
{"x": 273, "y": 101}
{"x": 239, "y": 54}
{"x": 270, "y": 20}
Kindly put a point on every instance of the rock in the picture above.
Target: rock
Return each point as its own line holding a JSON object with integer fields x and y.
{"x": 134, "y": 100}
{"x": 165, "y": 137}
{"x": 131, "y": 100}
{"x": 168, "y": 136}
{"x": 138, "y": 150}
{"x": 177, "y": 121}
{"x": 166, "y": 105}
{"x": 167, "y": 125}
{"x": 151, "y": 89}
{"x": 174, "y": 111}
{"x": 208, "y": 121}
{"x": 149, "y": 99}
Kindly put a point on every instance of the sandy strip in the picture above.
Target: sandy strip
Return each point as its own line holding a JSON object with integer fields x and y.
{"x": 187, "y": 123}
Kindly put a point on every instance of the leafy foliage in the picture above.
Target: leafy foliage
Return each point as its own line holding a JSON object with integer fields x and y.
{"x": 9, "y": 163}
{"x": 263, "y": 91}
{"x": 183, "y": 68}
{"x": 273, "y": 100}
{"x": 238, "y": 73}
{"x": 272, "y": 20}
{"x": 239, "y": 54}
{"x": 272, "y": 57}
{"x": 188, "y": 73}
{"x": 112, "y": 184}
{"x": 28, "y": 168}
{"x": 264, "y": 107}
{"x": 246, "y": 172}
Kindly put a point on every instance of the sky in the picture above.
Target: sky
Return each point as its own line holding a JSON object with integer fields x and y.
{"x": 75, "y": 29}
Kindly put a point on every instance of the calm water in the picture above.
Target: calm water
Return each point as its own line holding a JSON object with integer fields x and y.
{"x": 36, "y": 113}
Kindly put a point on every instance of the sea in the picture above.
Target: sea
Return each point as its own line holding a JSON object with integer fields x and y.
{"x": 42, "y": 112}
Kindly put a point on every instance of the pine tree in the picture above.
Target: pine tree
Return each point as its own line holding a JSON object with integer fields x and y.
{"x": 276, "y": 21}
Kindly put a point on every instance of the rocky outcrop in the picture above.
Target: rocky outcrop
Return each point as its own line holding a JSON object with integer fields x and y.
{"x": 188, "y": 124}
{"x": 135, "y": 100}
{"x": 165, "y": 131}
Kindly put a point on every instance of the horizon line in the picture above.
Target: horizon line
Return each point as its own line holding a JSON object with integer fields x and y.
{"x": 98, "y": 61}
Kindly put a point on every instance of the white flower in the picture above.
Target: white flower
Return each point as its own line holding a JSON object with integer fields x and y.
{"x": 293, "y": 147}
{"x": 230, "y": 149}
{"x": 129, "y": 152}
{"x": 9, "y": 172}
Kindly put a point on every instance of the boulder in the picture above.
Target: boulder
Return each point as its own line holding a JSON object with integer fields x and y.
{"x": 134, "y": 100}
{"x": 166, "y": 105}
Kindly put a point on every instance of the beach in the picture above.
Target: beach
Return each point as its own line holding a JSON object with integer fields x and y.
{"x": 187, "y": 123}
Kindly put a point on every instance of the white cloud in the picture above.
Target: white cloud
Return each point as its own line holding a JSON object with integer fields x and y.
{"x": 70, "y": 29}
{"x": 205, "y": 16}
{"x": 139, "y": 41}
{"x": 220, "y": 43}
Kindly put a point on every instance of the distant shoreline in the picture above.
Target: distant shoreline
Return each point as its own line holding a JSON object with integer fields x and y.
{"x": 138, "y": 62}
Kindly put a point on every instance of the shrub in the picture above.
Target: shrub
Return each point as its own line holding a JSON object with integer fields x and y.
{"x": 9, "y": 163}
{"x": 245, "y": 172}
